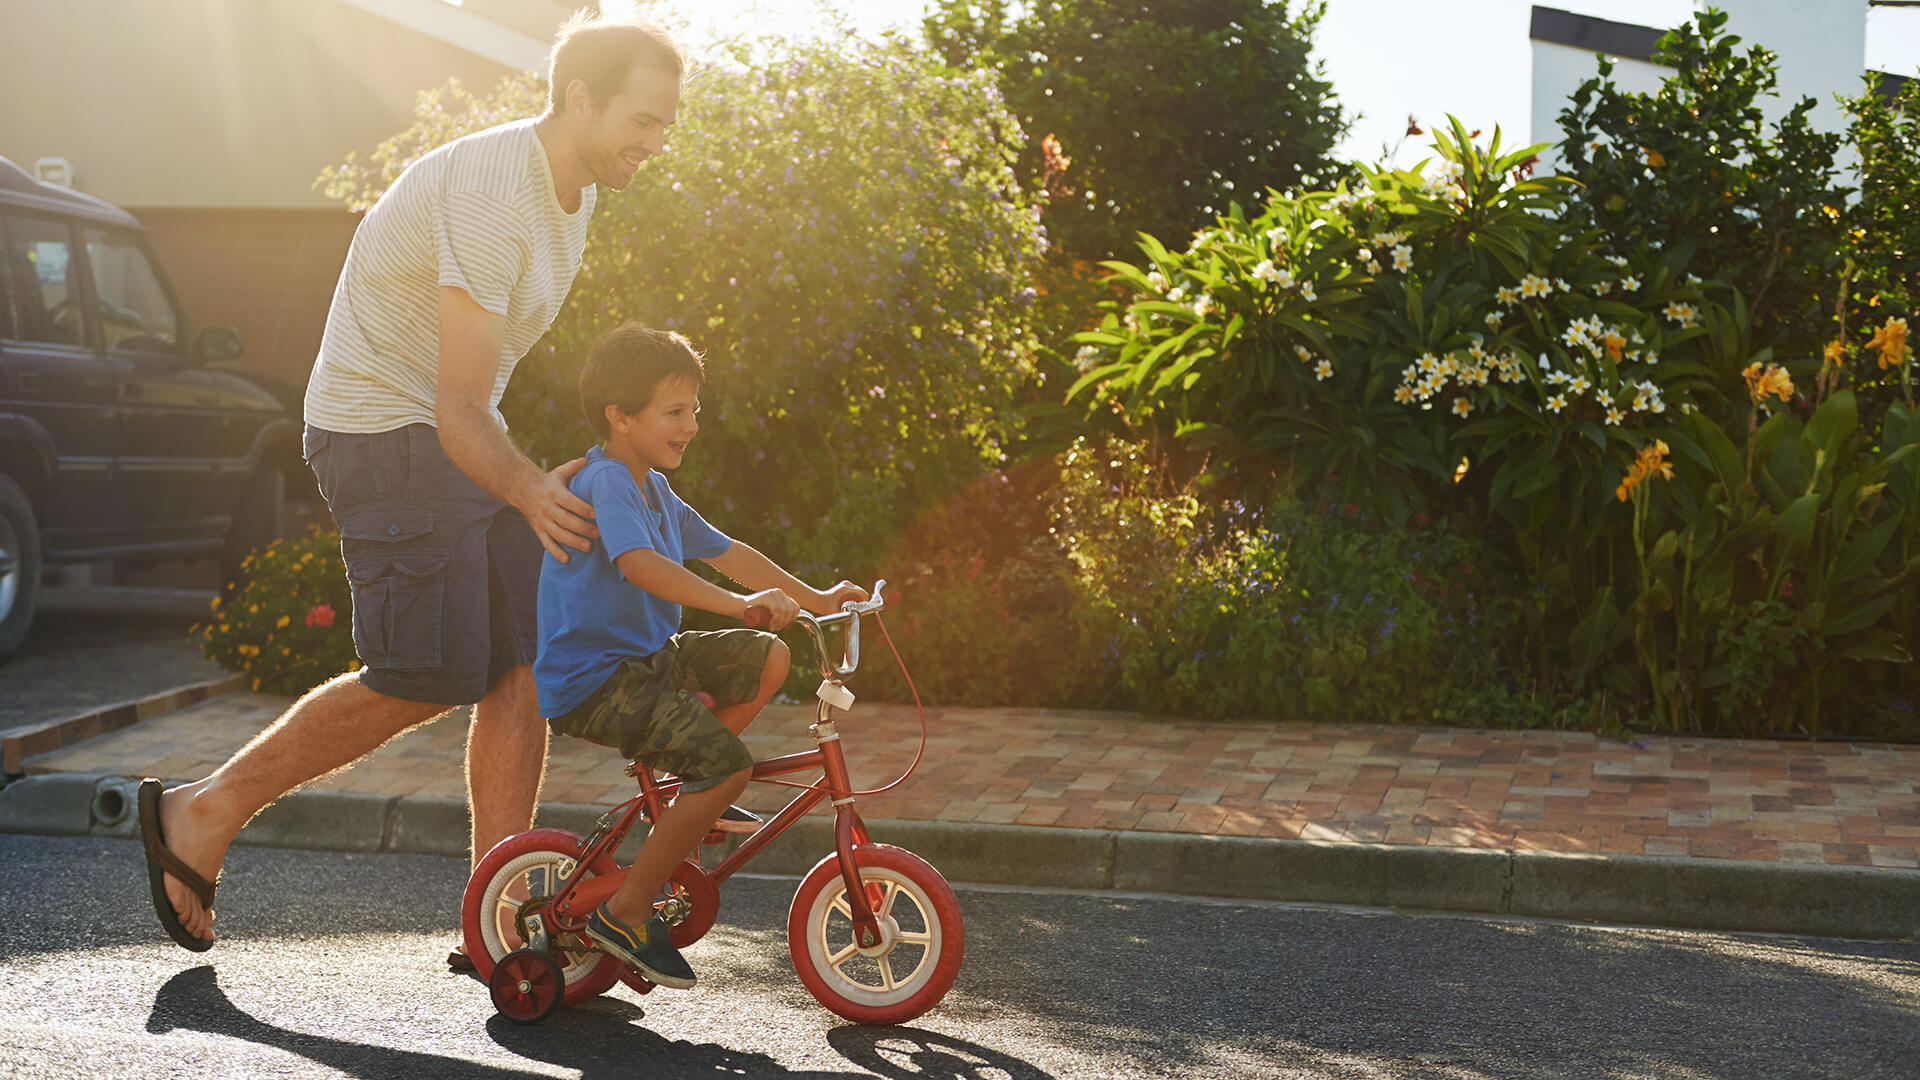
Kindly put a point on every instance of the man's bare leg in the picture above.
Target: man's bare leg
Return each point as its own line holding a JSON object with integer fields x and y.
{"x": 506, "y": 759}
{"x": 333, "y": 725}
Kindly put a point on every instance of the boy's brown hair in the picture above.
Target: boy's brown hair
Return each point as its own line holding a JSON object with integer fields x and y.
{"x": 626, "y": 365}
{"x": 601, "y": 52}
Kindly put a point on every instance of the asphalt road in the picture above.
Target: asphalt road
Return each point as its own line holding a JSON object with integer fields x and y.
{"x": 331, "y": 966}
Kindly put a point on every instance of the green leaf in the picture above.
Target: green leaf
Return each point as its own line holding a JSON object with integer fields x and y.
{"x": 1794, "y": 529}
{"x": 1832, "y": 423}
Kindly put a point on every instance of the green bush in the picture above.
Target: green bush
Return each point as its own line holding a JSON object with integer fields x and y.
{"x": 838, "y": 225}
{"x": 1325, "y": 614}
{"x": 289, "y": 627}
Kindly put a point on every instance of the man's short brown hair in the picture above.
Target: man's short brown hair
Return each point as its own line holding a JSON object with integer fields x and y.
{"x": 601, "y": 52}
{"x": 626, "y": 365}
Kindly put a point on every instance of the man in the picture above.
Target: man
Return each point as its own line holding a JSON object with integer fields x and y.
{"x": 453, "y": 275}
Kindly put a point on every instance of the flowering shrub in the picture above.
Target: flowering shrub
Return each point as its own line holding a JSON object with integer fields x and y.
{"x": 289, "y": 628}
{"x": 1437, "y": 341}
{"x": 1415, "y": 342}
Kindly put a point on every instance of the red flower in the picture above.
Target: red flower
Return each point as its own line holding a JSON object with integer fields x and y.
{"x": 320, "y": 615}
{"x": 1413, "y": 126}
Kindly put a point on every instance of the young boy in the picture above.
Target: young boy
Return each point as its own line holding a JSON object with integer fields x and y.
{"x": 613, "y": 666}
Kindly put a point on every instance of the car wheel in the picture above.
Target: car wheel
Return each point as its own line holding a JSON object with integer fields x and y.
{"x": 256, "y": 523}
{"x": 19, "y": 565}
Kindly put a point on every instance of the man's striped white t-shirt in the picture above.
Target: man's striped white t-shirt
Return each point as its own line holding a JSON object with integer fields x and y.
{"x": 480, "y": 214}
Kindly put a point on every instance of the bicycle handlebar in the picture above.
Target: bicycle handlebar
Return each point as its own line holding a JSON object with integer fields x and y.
{"x": 849, "y": 613}
{"x": 815, "y": 624}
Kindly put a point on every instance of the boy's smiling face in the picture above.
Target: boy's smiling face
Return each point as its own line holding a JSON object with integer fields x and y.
{"x": 656, "y": 437}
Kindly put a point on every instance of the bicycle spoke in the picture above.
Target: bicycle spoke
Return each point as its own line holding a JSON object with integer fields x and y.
{"x": 842, "y": 956}
{"x": 885, "y": 960}
{"x": 914, "y": 939}
{"x": 886, "y": 899}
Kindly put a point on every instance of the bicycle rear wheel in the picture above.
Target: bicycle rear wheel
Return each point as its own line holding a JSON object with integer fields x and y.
{"x": 512, "y": 882}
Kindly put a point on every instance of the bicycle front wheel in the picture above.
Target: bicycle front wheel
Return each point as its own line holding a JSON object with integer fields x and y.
{"x": 921, "y": 938}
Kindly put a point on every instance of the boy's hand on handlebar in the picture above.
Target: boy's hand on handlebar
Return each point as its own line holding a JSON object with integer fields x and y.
{"x": 828, "y": 601}
{"x": 780, "y": 609}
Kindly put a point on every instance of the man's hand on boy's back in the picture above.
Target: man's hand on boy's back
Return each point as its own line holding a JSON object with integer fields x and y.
{"x": 558, "y": 516}
{"x": 780, "y": 609}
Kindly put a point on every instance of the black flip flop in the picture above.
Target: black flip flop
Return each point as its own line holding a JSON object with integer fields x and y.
{"x": 458, "y": 960}
{"x": 161, "y": 862}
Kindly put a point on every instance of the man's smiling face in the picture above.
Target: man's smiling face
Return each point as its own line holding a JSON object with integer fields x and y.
{"x": 630, "y": 126}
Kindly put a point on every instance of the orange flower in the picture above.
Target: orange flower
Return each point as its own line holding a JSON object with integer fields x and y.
{"x": 1835, "y": 353}
{"x": 1891, "y": 342}
{"x": 1649, "y": 462}
{"x": 1655, "y": 158}
{"x": 1772, "y": 380}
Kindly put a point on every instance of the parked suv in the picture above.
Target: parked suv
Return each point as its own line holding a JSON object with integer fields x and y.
{"x": 124, "y": 438}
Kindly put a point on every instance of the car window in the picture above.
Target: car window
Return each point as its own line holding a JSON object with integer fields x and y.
{"x": 135, "y": 312}
{"x": 46, "y": 292}
{"x": 6, "y": 288}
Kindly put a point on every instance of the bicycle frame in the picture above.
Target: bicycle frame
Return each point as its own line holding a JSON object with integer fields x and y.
{"x": 576, "y": 898}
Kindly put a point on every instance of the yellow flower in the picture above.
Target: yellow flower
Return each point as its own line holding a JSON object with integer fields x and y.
{"x": 282, "y": 624}
{"x": 1835, "y": 353}
{"x": 1772, "y": 380}
{"x": 1891, "y": 342}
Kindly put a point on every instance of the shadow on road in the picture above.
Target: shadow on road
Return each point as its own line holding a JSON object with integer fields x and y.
{"x": 193, "y": 1001}
{"x": 903, "y": 1053}
{"x": 602, "y": 1040}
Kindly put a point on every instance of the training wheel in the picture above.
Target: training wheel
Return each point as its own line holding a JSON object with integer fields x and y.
{"x": 526, "y": 985}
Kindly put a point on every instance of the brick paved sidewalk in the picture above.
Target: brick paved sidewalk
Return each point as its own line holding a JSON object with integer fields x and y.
{"x": 1764, "y": 800}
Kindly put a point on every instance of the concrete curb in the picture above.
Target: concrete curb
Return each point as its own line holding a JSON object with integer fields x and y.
{"x": 20, "y": 743}
{"x": 1700, "y": 894}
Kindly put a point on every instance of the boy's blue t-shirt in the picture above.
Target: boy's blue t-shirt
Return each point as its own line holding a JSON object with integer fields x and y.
{"x": 591, "y": 617}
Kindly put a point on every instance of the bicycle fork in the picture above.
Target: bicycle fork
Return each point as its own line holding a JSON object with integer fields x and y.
{"x": 848, "y": 829}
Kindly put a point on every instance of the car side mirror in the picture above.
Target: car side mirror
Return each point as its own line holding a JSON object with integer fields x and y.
{"x": 216, "y": 344}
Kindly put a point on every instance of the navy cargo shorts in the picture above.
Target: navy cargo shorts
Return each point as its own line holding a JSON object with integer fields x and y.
{"x": 444, "y": 576}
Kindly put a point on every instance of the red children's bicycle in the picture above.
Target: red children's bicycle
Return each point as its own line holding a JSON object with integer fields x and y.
{"x": 874, "y": 931}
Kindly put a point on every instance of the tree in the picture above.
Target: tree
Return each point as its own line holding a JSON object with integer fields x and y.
{"x": 1694, "y": 167}
{"x": 1166, "y": 111}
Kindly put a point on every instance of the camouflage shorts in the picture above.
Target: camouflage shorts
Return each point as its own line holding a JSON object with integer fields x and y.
{"x": 648, "y": 710}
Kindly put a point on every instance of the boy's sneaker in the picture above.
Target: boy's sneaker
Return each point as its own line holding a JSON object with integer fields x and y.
{"x": 648, "y": 950}
{"x": 738, "y": 819}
